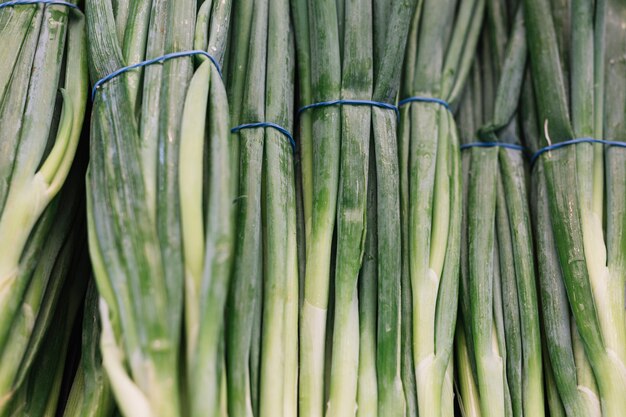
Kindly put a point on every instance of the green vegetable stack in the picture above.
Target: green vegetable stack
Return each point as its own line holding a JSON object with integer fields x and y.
{"x": 350, "y": 55}
{"x": 579, "y": 86}
{"x": 262, "y": 320}
{"x": 439, "y": 54}
{"x": 499, "y": 344}
{"x": 160, "y": 191}
{"x": 42, "y": 51}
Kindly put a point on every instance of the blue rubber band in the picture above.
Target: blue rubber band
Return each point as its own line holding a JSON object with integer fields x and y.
{"x": 494, "y": 145}
{"x": 33, "y": 2}
{"x": 159, "y": 60}
{"x": 573, "y": 142}
{"x": 350, "y": 102}
{"x": 421, "y": 99}
{"x": 256, "y": 125}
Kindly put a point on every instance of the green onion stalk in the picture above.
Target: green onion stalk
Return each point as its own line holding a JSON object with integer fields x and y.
{"x": 580, "y": 191}
{"x": 571, "y": 388}
{"x": 43, "y": 85}
{"x": 90, "y": 393}
{"x": 350, "y": 50}
{"x": 40, "y": 394}
{"x": 441, "y": 46}
{"x": 499, "y": 302}
{"x": 160, "y": 216}
{"x": 470, "y": 118}
{"x": 262, "y": 322}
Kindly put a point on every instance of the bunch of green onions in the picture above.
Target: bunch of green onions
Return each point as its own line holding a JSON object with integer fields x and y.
{"x": 499, "y": 352}
{"x": 350, "y": 359}
{"x": 262, "y": 319}
{"x": 90, "y": 394}
{"x": 160, "y": 193}
{"x": 439, "y": 54}
{"x": 580, "y": 192}
{"x": 42, "y": 52}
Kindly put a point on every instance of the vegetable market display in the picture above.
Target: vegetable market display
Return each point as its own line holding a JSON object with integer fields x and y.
{"x": 317, "y": 208}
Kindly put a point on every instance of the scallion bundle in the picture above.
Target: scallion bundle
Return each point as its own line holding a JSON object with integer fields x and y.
{"x": 42, "y": 52}
{"x": 441, "y": 47}
{"x": 499, "y": 300}
{"x": 350, "y": 55}
{"x": 160, "y": 193}
{"x": 579, "y": 87}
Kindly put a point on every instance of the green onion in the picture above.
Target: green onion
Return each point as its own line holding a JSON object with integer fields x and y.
{"x": 160, "y": 204}
{"x": 262, "y": 329}
{"x": 353, "y": 53}
{"x": 576, "y": 92}
{"x": 499, "y": 301}
{"x": 43, "y": 51}
{"x": 90, "y": 394}
{"x": 436, "y": 65}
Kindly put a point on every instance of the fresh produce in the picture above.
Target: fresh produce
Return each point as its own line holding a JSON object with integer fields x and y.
{"x": 351, "y": 51}
{"x": 579, "y": 86}
{"x": 441, "y": 46}
{"x": 499, "y": 301}
{"x": 42, "y": 50}
{"x": 160, "y": 192}
{"x": 313, "y": 208}
{"x": 90, "y": 394}
{"x": 262, "y": 319}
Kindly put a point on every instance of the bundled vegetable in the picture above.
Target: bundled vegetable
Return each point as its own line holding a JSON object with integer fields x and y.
{"x": 349, "y": 56}
{"x": 498, "y": 304}
{"x": 40, "y": 393}
{"x": 262, "y": 322}
{"x": 42, "y": 52}
{"x": 160, "y": 182}
{"x": 440, "y": 50}
{"x": 580, "y": 187}
{"x": 90, "y": 394}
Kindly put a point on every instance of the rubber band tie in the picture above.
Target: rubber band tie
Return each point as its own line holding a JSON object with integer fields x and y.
{"x": 256, "y": 125}
{"x": 493, "y": 145}
{"x": 350, "y": 102}
{"x": 158, "y": 60}
{"x": 421, "y": 99}
{"x": 573, "y": 142}
{"x": 33, "y": 2}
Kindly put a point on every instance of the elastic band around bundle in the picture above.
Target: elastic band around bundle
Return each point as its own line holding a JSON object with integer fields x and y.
{"x": 573, "y": 142}
{"x": 34, "y": 2}
{"x": 493, "y": 145}
{"x": 158, "y": 60}
{"x": 421, "y": 99}
{"x": 257, "y": 125}
{"x": 350, "y": 102}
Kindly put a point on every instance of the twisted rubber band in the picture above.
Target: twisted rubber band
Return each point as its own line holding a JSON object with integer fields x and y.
{"x": 350, "y": 102}
{"x": 573, "y": 142}
{"x": 33, "y": 2}
{"x": 256, "y": 125}
{"x": 422, "y": 99}
{"x": 494, "y": 145}
{"x": 152, "y": 61}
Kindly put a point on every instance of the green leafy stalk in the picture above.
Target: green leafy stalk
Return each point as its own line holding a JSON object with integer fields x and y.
{"x": 325, "y": 82}
{"x": 357, "y": 83}
{"x": 44, "y": 52}
{"x": 429, "y": 141}
{"x": 90, "y": 395}
{"x": 573, "y": 178}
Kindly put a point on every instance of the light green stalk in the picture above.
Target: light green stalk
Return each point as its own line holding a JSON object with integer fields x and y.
{"x": 351, "y": 211}
{"x": 90, "y": 395}
{"x": 574, "y": 181}
{"x": 429, "y": 140}
{"x": 367, "y": 390}
{"x": 325, "y": 84}
{"x": 39, "y": 139}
